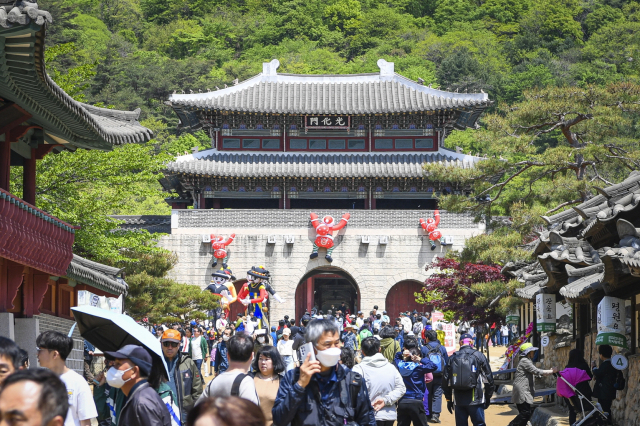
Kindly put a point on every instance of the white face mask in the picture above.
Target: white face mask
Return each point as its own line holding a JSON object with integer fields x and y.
{"x": 261, "y": 339}
{"x": 329, "y": 357}
{"x": 114, "y": 377}
{"x": 225, "y": 338}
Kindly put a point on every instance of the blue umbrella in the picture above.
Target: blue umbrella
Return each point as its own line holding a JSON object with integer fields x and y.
{"x": 110, "y": 331}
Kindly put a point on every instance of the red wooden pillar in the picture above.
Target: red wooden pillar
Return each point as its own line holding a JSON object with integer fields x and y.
{"x": 29, "y": 179}
{"x": 309, "y": 285}
{"x": 216, "y": 203}
{"x": 373, "y": 202}
{"x": 202, "y": 203}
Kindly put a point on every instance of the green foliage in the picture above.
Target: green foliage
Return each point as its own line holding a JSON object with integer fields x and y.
{"x": 161, "y": 299}
{"x": 83, "y": 187}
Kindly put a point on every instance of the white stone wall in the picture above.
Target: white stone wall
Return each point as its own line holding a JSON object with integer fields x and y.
{"x": 374, "y": 267}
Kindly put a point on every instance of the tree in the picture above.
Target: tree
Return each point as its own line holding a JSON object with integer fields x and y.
{"x": 160, "y": 299}
{"x": 571, "y": 139}
{"x": 455, "y": 289}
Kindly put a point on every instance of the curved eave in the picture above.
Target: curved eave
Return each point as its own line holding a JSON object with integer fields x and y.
{"x": 24, "y": 81}
{"x": 80, "y": 271}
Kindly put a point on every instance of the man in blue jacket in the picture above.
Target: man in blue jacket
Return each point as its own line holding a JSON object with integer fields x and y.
{"x": 412, "y": 369}
{"x": 435, "y": 387}
{"x": 323, "y": 392}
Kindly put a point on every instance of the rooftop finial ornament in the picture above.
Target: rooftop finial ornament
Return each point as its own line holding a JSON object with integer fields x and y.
{"x": 22, "y": 12}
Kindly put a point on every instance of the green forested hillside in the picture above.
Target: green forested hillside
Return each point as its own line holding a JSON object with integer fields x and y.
{"x": 146, "y": 49}
{"x": 543, "y": 62}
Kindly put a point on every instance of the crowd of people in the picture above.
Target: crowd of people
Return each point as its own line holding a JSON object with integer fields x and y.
{"x": 333, "y": 368}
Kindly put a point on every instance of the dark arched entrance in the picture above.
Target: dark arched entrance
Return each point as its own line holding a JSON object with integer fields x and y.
{"x": 401, "y": 298}
{"x": 324, "y": 287}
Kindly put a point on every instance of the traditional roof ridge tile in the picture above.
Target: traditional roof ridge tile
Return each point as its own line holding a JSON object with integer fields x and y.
{"x": 583, "y": 287}
{"x": 22, "y": 13}
{"x": 530, "y": 291}
{"x": 368, "y": 93}
{"x": 97, "y": 275}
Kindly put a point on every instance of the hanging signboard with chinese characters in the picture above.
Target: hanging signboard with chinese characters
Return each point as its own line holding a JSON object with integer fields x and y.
{"x": 611, "y": 318}
{"x": 546, "y": 312}
{"x": 312, "y": 122}
{"x": 513, "y": 317}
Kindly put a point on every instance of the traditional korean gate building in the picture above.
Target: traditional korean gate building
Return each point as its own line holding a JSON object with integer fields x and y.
{"x": 39, "y": 275}
{"x": 285, "y": 145}
{"x": 588, "y": 252}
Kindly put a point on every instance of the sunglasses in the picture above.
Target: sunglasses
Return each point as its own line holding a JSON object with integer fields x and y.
{"x": 170, "y": 344}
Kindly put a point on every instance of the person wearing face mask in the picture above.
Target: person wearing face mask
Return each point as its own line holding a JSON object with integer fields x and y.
{"x": 184, "y": 376}
{"x": 260, "y": 338}
{"x": 323, "y": 392}
{"x": 285, "y": 348}
{"x": 142, "y": 406}
{"x": 267, "y": 367}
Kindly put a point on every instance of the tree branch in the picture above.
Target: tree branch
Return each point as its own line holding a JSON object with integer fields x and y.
{"x": 568, "y": 203}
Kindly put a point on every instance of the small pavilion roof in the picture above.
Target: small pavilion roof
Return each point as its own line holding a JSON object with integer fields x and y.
{"x": 97, "y": 275}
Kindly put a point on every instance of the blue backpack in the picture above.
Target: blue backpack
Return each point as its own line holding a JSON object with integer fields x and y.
{"x": 435, "y": 356}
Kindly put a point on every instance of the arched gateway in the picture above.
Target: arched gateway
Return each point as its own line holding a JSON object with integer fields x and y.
{"x": 401, "y": 298}
{"x": 324, "y": 287}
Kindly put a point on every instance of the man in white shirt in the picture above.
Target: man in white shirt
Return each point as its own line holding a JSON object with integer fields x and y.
{"x": 53, "y": 350}
{"x": 360, "y": 320}
{"x": 240, "y": 355}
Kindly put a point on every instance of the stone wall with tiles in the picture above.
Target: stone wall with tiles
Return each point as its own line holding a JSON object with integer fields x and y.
{"x": 375, "y": 266}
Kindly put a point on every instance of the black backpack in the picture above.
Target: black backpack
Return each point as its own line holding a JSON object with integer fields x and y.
{"x": 464, "y": 371}
{"x": 620, "y": 382}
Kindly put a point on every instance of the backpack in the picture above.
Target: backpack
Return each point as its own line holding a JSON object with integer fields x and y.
{"x": 620, "y": 382}
{"x": 436, "y": 357}
{"x": 463, "y": 371}
{"x": 235, "y": 387}
{"x": 364, "y": 333}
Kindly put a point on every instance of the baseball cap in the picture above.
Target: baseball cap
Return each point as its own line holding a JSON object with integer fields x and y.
{"x": 348, "y": 326}
{"x": 136, "y": 354}
{"x": 286, "y": 331}
{"x": 384, "y": 312}
{"x": 465, "y": 336}
{"x": 171, "y": 335}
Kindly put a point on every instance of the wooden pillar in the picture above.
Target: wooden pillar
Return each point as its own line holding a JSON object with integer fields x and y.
{"x": 216, "y": 203}
{"x": 373, "y": 203}
{"x": 5, "y": 163}
{"x": 310, "y": 295}
{"x": 29, "y": 179}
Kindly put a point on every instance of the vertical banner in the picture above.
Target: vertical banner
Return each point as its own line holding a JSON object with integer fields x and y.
{"x": 546, "y": 312}
{"x": 611, "y": 327}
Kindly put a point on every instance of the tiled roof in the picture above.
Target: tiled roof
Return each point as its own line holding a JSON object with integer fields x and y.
{"x": 24, "y": 82}
{"x": 593, "y": 247}
{"x": 296, "y": 219}
{"x": 216, "y": 163}
{"x": 152, "y": 223}
{"x": 384, "y": 92}
{"x": 582, "y": 282}
{"x": 97, "y": 275}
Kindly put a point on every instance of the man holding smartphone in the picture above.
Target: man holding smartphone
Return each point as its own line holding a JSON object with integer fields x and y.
{"x": 322, "y": 391}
